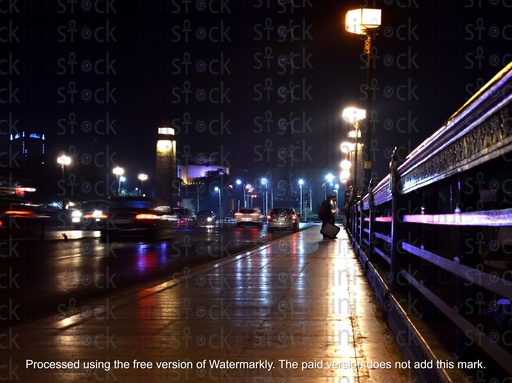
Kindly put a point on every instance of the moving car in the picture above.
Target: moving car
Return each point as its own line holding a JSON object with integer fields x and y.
{"x": 283, "y": 218}
{"x": 21, "y": 219}
{"x": 249, "y": 216}
{"x": 183, "y": 217}
{"x": 137, "y": 218}
{"x": 206, "y": 218}
{"x": 90, "y": 215}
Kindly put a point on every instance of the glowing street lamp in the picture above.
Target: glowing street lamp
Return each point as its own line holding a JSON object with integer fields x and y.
{"x": 63, "y": 161}
{"x": 329, "y": 178}
{"x": 354, "y": 115}
{"x": 118, "y": 172}
{"x": 264, "y": 182}
{"x": 217, "y": 189}
{"x": 142, "y": 177}
{"x": 301, "y": 206}
{"x": 361, "y": 21}
{"x": 365, "y": 21}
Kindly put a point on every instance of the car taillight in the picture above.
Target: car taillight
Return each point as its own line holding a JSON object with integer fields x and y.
{"x": 19, "y": 212}
{"x": 96, "y": 215}
{"x": 146, "y": 216}
{"x": 294, "y": 217}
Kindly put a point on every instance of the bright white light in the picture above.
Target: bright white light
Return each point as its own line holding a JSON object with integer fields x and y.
{"x": 63, "y": 160}
{"x": 359, "y": 20}
{"x": 118, "y": 171}
{"x": 166, "y": 130}
{"x": 345, "y": 165}
{"x": 344, "y": 176}
{"x": 353, "y": 115}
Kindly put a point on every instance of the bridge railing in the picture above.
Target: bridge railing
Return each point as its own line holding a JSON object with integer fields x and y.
{"x": 436, "y": 237}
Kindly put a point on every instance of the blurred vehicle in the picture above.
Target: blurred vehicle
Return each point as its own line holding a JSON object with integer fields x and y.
{"x": 230, "y": 217}
{"x": 21, "y": 218}
{"x": 183, "y": 217}
{"x": 137, "y": 218}
{"x": 249, "y": 216}
{"x": 206, "y": 218}
{"x": 282, "y": 218}
{"x": 90, "y": 215}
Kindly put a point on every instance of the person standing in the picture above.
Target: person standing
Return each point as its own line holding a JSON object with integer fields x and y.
{"x": 328, "y": 210}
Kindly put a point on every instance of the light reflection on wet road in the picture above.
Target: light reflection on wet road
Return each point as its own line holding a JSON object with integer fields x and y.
{"x": 41, "y": 278}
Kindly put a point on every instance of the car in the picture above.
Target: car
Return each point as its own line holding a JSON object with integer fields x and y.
{"x": 183, "y": 217}
{"x": 206, "y": 218}
{"x": 137, "y": 218}
{"x": 21, "y": 218}
{"x": 283, "y": 218}
{"x": 90, "y": 215}
{"x": 249, "y": 216}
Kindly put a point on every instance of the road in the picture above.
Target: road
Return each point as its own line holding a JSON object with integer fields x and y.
{"x": 39, "y": 278}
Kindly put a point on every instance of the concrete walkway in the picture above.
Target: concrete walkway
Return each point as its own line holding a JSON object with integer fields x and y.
{"x": 296, "y": 310}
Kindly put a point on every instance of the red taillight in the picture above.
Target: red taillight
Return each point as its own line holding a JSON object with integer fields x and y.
{"x": 294, "y": 217}
{"x": 146, "y": 216}
{"x": 19, "y": 212}
{"x": 96, "y": 216}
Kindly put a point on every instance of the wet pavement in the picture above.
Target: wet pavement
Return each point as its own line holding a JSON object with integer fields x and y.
{"x": 298, "y": 309}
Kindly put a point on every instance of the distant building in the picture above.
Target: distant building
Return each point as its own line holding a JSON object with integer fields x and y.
{"x": 30, "y": 147}
{"x": 188, "y": 173}
{"x": 166, "y": 185}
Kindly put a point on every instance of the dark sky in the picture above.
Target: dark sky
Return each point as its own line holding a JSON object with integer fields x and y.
{"x": 257, "y": 85}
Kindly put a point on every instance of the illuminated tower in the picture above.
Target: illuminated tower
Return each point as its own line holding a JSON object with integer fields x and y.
{"x": 166, "y": 183}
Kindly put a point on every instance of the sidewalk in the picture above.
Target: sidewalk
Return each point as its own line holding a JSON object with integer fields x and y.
{"x": 297, "y": 309}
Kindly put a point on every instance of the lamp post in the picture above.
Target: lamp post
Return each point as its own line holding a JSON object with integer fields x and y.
{"x": 142, "y": 177}
{"x": 217, "y": 189}
{"x": 121, "y": 180}
{"x": 118, "y": 172}
{"x": 301, "y": 205}
{"x": 365, "y": 21}
{"x": 354, "y": 115}
{"x": 249, "y": 189}
{"x": 265, "y": 196}
{"x": 328, "y": 178}
{"x": 63, "y": 161}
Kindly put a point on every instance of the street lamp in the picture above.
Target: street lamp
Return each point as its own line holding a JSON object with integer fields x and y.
{"x": 121, "y": 180}
{"x": 217, "y": 189}
{"x": 354, "y": 115}
{"x": 365, "y": 21}
{"x": 265, "y": 197}
{"x": 328, "y": 178}
{"x": 142, "y": 177}
{"x": 249, "y": 189}
{"x": 301, "y": 206}
{"x": 118, "y": 172}
{"x": 63, "y": 161}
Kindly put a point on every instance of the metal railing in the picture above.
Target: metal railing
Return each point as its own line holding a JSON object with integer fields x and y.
{"x": 435, "y": 237}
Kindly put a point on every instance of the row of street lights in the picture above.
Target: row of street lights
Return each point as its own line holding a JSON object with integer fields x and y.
{"x": 362, "y": 21}
{"x": 64, "y": 160}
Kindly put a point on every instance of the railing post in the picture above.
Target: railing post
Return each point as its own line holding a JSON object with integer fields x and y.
{"x": 371, "y": 225}
{"x": 397, "y": 227}
{"x": 360, "y": 221}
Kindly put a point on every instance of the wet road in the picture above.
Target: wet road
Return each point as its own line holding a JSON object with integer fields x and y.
{"x": 43, "y": 278}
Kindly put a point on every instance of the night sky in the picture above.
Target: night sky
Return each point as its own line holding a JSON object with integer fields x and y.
{"x": 258, "y": 86}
